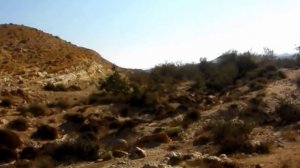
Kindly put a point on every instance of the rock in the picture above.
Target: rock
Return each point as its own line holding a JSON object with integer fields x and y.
{"x": 150, "y": 166}
{"x": 154, "y": 166}
{"x": 119, "y": 153}
{"x": 120, "y": 144}
{"x": 214, "y": 158}
{"x": 223, "y": 156}
{"x": 137, "y": 153}
{"x": 154, "y": 139}
{"x": 174, "y": 158}
{"x": 106, "y": 156}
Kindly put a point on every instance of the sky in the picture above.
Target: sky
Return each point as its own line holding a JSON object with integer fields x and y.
{"x": 144, "y": 33}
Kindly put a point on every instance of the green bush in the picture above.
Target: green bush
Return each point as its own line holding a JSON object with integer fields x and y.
{"x": 114, "y": 83}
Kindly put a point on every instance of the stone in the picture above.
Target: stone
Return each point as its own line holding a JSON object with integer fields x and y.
{"x": 137, "y": 153}
{"x": 154, "y": 138}
{"x": 106, "y": 156}
{"x": 150, "y": 166}
{"x": 223, "y": 156}
{"x": 214, "y": 158}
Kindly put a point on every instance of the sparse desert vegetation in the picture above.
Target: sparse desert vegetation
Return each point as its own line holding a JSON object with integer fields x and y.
{"x": 240, "y": 110}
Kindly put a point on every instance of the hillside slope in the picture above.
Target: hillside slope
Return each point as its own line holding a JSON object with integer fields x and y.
{"x": 28, "y": 52}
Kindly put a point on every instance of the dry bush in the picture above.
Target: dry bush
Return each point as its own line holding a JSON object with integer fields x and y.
{"x": 231, "y": 136}
{"x": 34, "y": 109}
{"x": 60, "y": 87}
{"x": 44, "y": 162}
{"x": 106, "y": 98}
{"x": 9, "y": 139}
{"x": 19, "y": 124}
{"x": 74, "y": 88}
{"x": 45, "y": 132}
{"x": 297, "y": 81}
{"x": 90, "y": 127}
{"x": 29, "y": 153}
{"x": 7, "y": 155}
{"x": 289, "y": 113}
{"x": 256, "y": 85}
{"x": 6, "y": 102}
{"x": 61, "y": 104}
{"x": 75, "y": 118}
{"x": 191, "y": 117}
{"x": 80, "y": 150}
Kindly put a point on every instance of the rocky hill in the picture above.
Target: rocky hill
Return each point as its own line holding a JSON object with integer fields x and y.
{"x": 27, "y": 53}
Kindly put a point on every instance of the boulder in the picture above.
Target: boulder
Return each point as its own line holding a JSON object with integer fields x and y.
{"x": 154, "y": 140}
{"x": 137, "y": 153}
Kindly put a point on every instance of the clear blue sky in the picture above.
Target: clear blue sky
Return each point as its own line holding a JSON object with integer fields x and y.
{"x": 143, "y": 33}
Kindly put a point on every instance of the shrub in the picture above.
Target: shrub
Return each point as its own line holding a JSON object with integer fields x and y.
{"x": 29, "y": 153}
{"x": 90, "y": 127}
{"x": 263, "y": 148}
{"x": 88, "y": 136}
{"x": 231, "y": 136}
{"x": 115, "y": 84}
{"x": 77, "y": 119}
{"x": 44, "y": 162}
{"x": 45, "y": 132}
{"x": 172, "y": 131}
{"x": 37, "y": 109}
{"x": 61, "y": 104}
{"x": 80, "y": 150}
{"x": 19, "y": 124}
{"x": 297, "y": 81}
{"x": 9, "y": 139}
{"x": 7, "y": 155}
{"x": 191, "y": 117}
{"x": 34, "y": 109}
{"x": 6, "y": 102}
{"x": 289, "y": 113}
{"x": 107, "y": 98}
{"x": 74, "y": 88}
{"x": 60, "y": 87}
{"x": 54, "y": 87}
{"x": 256, "y": 85}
